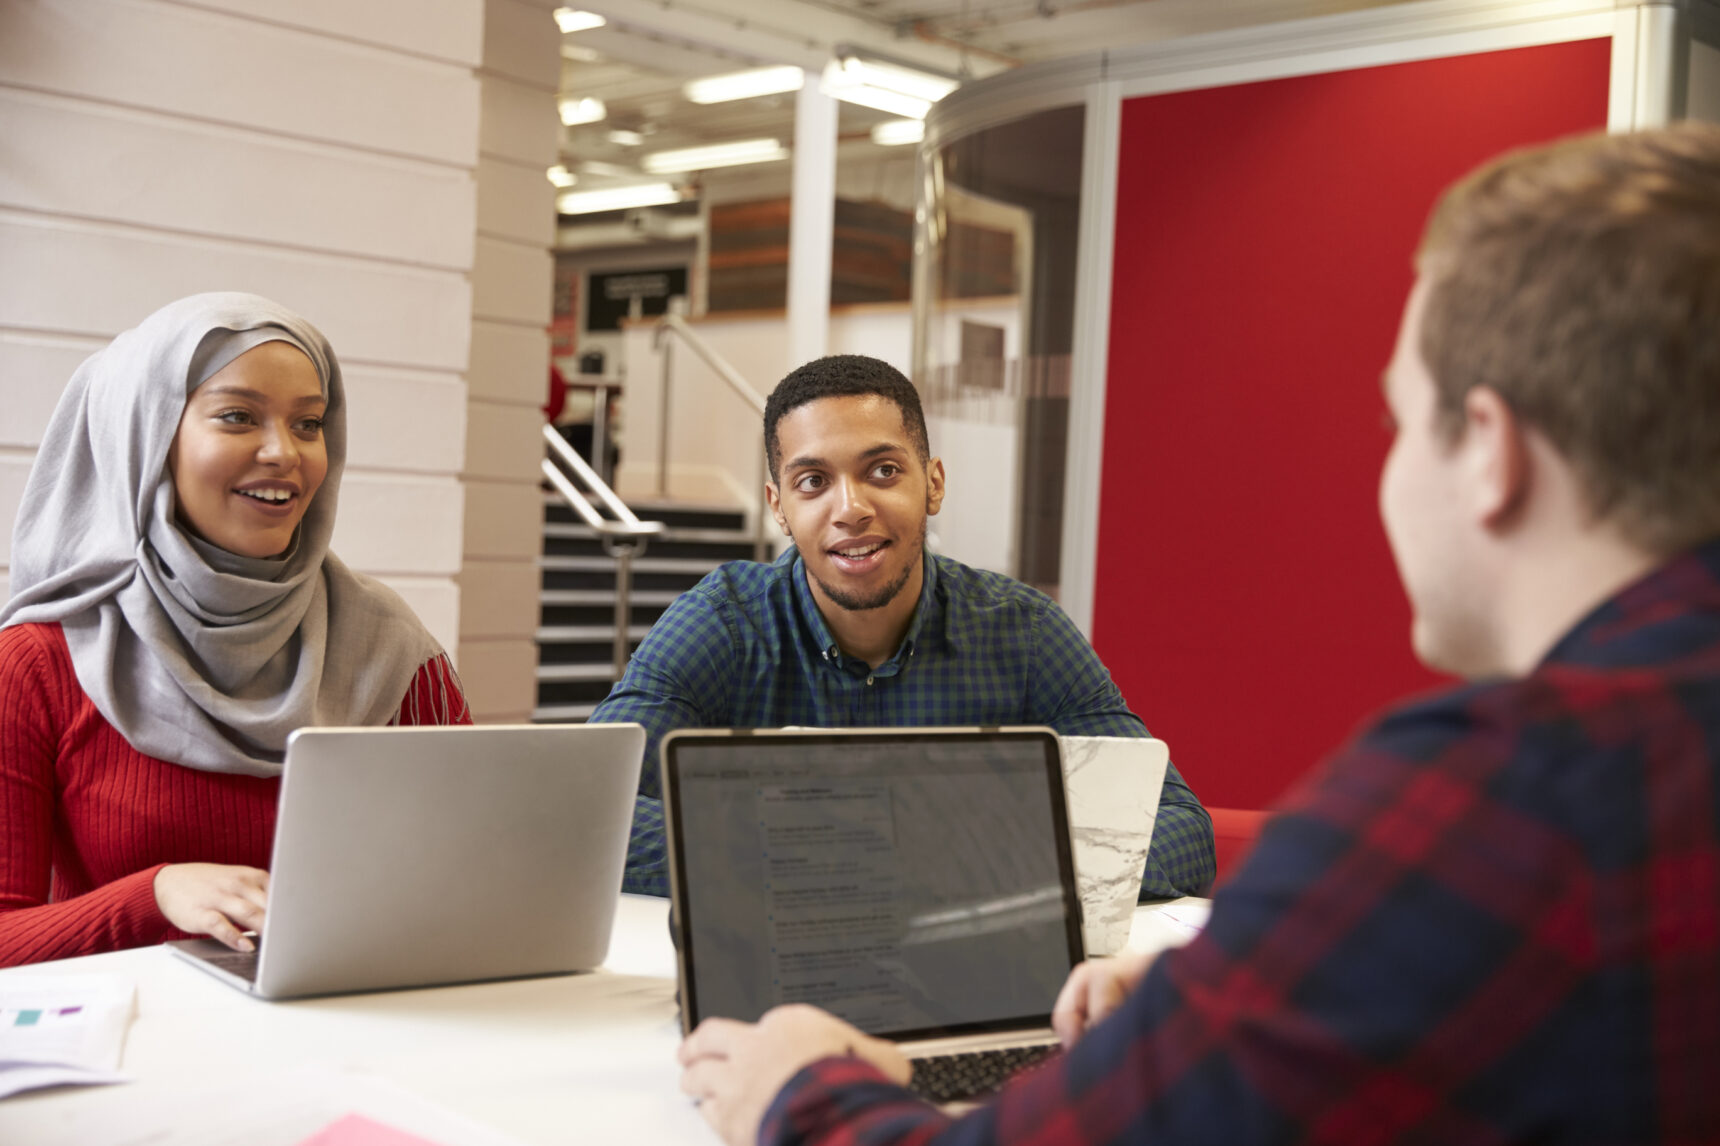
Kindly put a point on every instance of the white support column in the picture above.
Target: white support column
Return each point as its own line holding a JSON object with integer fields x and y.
{"x": 1090, "y": 358}
{"x": 1649, "y": 62}
{"x": 812, "y": 224}
{"x": 513, "y": 277}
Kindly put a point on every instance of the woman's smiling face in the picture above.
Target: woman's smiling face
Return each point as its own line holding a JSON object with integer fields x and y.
{"x": 249, "y": 454}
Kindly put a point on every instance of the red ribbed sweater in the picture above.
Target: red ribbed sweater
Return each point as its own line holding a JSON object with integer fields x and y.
{"x": 86, "y": 820}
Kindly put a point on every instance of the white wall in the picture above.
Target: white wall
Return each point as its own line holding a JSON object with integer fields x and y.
{"x": 325, "y": 155}
{"x": 512, "y": 283}
{"x": 1704, "y": 97}
{"x": 715, "y": 440}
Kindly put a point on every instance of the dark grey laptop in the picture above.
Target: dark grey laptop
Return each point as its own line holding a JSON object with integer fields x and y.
{"x": 407, "y": 857}
{"x": 918, "y": 883}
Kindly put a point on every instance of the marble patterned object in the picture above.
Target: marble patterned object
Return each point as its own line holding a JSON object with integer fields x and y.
{"x": 1112, "y": 784}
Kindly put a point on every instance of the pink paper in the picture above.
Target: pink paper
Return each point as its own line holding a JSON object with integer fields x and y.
{"x": 357, "y": 1130}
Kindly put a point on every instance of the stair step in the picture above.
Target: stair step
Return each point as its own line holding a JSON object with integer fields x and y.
{"x": 691, "y": 536}
{"x": 548, "y": 634}
{"x": 556, "y": 693}
{"x": 602, "y": 580}
{"x": 640, "y": 597}
{"x": 730, "y": 550}
{"x": 595, "y": 670}
{"x": 563, "y": 713}
{"x": 575, "y": 616}
{"x": 701, "y": 566}
{"x": 673, "y": 515}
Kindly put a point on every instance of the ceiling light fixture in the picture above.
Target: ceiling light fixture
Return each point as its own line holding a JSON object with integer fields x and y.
{"x": 571, "y": 20}
{"x": 716, "y": 155}
{"x": 744, "y": 85}
{"x": 577, "y": 111}
{"x": 886, "y": 85}
{"x": 606, "y": 170}
{"x": 838, "y": 84}
{"x": 895, "y": 132}
{"x": 897, "y": 78}
{"x": 561, "y": 176}
{"x": 626, "y": 138}
{"x": 617, "y": 198}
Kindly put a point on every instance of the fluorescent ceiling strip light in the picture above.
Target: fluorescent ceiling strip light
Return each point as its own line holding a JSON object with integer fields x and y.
{"x": 920, "y": 85}
{"x": 880, "y": 100}
{"x": 571, "y": 20}
{"x": 895, "y": 132}
{"x": 577, "y": 111}
{"x": 617, "y": 198}
{"x": 717, "y": 155}
{"x": 606, "y": 170}
{"x": 561, "y": 176}
{"x": 626, "y": 138}
{"x": 744, "y": 85}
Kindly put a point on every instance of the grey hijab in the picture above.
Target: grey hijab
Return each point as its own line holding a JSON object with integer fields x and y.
{"x": 198, "y": 656}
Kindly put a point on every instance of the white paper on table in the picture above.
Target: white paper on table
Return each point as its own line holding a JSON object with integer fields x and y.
{"x": 17, "y": 1077}
{"x": 281, "y": 1108}
{"x": 73, "y": 1024}
{"x": 1189, "y": 917}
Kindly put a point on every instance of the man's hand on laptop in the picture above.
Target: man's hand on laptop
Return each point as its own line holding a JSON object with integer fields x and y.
{"x": 733, "y": 1070}
{"x": 219, "y": 900}
{"x": 1095, "y": 989}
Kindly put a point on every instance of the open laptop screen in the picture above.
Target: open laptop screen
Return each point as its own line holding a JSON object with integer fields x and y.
{"x": 913, "y": 883}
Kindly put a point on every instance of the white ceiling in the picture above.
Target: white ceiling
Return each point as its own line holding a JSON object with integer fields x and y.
{"x": 637, "y": 63}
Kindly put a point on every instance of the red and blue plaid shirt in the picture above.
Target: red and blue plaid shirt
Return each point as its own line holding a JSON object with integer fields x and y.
{"x": 1494, "y": 918}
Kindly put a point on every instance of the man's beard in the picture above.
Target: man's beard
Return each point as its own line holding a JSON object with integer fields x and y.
{"x": 854, "y": 603}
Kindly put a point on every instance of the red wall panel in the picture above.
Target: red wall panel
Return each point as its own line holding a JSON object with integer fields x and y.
{"x": 1245, "y": 599}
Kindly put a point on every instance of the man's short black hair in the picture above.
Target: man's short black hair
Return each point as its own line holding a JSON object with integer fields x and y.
{"x": 844, "y": 376}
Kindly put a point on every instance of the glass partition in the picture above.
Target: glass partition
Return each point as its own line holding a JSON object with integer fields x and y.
{"x": 994, "y": 300}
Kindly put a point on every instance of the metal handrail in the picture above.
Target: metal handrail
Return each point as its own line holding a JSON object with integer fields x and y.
{"x": 675, "y": 324}
{"x": 715, "y": 361}
{"x": 624, "y": 537}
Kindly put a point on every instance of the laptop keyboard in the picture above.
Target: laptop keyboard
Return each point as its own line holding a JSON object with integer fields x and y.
{"x": 974, "y": 1074}
{"x": 240, "y": 963}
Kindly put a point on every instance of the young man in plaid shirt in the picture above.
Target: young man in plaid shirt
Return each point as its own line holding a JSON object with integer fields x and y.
{"x": 1496, "y": 916}
{"x": 858, "y": 625}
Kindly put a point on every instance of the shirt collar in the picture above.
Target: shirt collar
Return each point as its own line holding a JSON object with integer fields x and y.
{"x": 1689, "y": 583}
{"x": 925, "y": 612}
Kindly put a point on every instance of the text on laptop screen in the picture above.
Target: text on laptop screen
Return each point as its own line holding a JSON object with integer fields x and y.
{"x": 908, "y": 886}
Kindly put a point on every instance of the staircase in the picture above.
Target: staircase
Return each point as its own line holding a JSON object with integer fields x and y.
{"x": 576, "y": 613}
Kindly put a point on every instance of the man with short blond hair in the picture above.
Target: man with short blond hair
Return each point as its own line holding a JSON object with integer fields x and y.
{"x": 1495, "y": 917}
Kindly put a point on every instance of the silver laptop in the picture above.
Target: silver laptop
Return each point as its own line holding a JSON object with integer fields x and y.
{"x": 408, "y": 857}
{"x": 918, "y": 883}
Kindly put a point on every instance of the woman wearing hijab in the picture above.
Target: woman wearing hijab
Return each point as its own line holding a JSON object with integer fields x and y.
{"x": 176, "y": 614}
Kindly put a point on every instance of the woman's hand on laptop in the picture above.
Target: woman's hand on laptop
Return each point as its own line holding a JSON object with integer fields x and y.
{"x": 734, "y": 1070}
{"x": 1095, "y": 989}
{"x": 219, "y": 900}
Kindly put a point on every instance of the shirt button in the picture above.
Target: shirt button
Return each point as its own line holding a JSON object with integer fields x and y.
{"x": 868, "y": 680}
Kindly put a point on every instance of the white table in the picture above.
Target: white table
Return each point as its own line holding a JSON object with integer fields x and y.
{"x": 577, "y": 1058}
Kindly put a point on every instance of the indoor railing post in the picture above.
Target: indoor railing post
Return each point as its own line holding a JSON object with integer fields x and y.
{"x": 663, "y": 423}
{"x": 676, "y": 325}
{"x": 623, "y": 604}
{"x": 624, "y": 537}
{"x": 600, "y": 433}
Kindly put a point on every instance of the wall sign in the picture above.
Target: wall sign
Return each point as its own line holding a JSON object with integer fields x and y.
{"x": 610, "y": 296}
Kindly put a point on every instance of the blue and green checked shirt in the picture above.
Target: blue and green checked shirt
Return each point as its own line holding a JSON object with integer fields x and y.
{"x": 747, "y": 648}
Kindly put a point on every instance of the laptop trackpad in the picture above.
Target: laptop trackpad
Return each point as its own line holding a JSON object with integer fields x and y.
{"x": 218, "y": 957}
